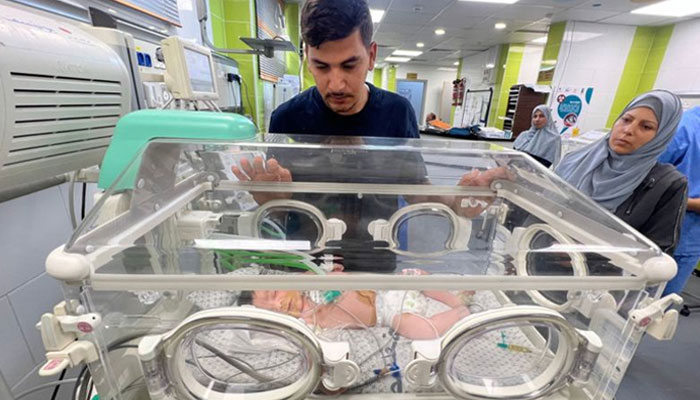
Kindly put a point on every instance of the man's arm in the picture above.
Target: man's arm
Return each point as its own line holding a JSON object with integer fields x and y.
{"x": 694, "y": 205}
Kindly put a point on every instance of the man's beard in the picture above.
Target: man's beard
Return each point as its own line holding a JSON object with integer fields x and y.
{"x": 347, "y": 105}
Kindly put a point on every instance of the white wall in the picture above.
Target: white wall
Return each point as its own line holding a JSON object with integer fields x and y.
{"x": 594, "y": 55}
{"x": 680, "y": 69}
{"x": 473, "y": 67}
{"x": 435, "y": 79}
{"x": 530, "y": 64}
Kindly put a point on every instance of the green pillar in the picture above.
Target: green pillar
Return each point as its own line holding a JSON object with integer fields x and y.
{"x": 377, "y": 77}
{"x": 514, "y": 57}
{"x": 555, "y": 36}
{"x": 291, "y": 19}
{"x": 642, "y": 66}
{"x": 231, "y": 20}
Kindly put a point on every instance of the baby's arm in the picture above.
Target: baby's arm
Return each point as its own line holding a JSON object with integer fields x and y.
{"x": 416, "y": 327}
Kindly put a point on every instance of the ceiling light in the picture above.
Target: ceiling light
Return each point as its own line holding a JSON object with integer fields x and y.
{"x": 397, "y": 59}
{"x": 670, "y": 8}
{"x": 439, "y": 31}
{"x": 541, "y": 40}
{"x": 489, "y": 66}
{"x": 407, "y": 53}
{"x": 113, "y": 11}
{"x": 493, "y": 1}
{"x": 455, "y": 63}
{"x": 447, "y": 69}
{"x": 153, "y": 28}
{"x": 376, "y": 14}
{"x": 500, "y": 25}
{"x": 420, "y": 44}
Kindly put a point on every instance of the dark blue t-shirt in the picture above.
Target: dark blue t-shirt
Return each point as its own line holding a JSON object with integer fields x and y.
{"x": 386, "y": 114}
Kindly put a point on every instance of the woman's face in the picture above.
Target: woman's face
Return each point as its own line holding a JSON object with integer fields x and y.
{"x": 632, "y": 130}
{"x": 539, "y": 120}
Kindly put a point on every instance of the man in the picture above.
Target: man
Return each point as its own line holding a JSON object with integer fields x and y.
{"x": 340, "y": 52}
{"x": 684, "y": 154}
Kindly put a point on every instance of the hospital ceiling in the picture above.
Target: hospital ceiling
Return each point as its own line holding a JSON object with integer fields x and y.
{"x": 470, "y": 28}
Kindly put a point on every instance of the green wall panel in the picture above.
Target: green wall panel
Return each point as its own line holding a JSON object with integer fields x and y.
{"x": 555, "y": 36}
{"x": 291, "y": 18}
{"x": 377, "y": 77}
{"x": 642, "y": 66}
{"x": 504, "y": 68}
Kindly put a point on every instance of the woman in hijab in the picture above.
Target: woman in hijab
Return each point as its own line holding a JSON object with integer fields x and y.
{"x": 541, "y": 141}
{"x": 621, "y": 173}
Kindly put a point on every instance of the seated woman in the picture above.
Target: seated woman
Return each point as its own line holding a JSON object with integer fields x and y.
{"x": 621, "y": 172}
{"x": 401, "y": 310}
{"x": 542, "y": 141}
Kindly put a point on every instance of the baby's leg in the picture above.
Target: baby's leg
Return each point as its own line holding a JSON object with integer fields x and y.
{"x": 414, "y": 326}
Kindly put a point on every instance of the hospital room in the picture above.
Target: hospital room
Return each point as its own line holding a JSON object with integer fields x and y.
{"x": 349, "y": 199}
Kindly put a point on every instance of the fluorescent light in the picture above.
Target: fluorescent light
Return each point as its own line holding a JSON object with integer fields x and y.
{"x": 489, "y": 66}
{"x": 439, "y": 31}
{"x": 447, "y": 69}
{"x": 113, "y": 11}
{"x": 500, "y": 25}
{"x": 376, "y": 14}
{"x": 670, "y": 8}
{"x": 397, "y": 59}
{"x": 407, "y": 53}
{"x": 493, "y": 1}
{"x": 420, "y": 44}
{"x": 455, "y": 63}
{"x": 542, "y": 40}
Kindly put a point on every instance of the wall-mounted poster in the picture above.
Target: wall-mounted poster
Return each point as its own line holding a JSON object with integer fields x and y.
{"x": 568, "y": 106}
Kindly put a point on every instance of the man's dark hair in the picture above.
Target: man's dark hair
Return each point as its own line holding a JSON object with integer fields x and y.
{"x": 328, "y": 20}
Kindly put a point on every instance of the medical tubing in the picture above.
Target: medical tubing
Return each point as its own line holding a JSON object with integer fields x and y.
{"x": 376, "y": 338}
{"x": 234, "y": 362}
{"x": 264, "y": 368}
{"x": 71, "y": 199}
{"x": 58, "y": 387}
{"x": 403, "y": 299}
{"x": 44, "y": 386}
{"x": 78, "y": 384}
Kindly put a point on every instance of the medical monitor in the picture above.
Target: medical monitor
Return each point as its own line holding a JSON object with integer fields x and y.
{"x": 189, "y": 70}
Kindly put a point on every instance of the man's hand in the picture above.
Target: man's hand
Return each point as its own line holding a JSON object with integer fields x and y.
{"x": 261, "y": 171}
{"x": 471, "y": 206}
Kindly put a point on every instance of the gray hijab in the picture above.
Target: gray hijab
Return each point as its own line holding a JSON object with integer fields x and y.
{"x": 544, "y": 143}
{"x": 610, "y": 178}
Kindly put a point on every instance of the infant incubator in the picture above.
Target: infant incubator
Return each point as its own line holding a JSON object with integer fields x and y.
{"x": 355, "y": 268}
